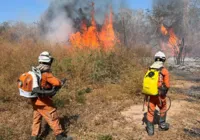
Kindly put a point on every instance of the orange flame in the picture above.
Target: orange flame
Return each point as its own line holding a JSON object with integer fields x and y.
{"x": 89, "y": 37}
{"x": 107, "y": 34}
{"x": 163, "y": 30}
{"x": 173, "y": 39}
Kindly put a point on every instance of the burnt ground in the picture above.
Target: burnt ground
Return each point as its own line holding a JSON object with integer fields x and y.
{"x": 189, "y": 83}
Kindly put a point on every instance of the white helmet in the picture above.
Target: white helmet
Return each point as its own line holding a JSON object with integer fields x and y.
{"x": 160, "y": 56}
{"x": 45, "y": 57}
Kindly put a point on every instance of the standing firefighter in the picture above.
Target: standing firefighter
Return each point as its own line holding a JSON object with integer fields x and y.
{"x": 155, "y": 87}
{"x": 43, "y": 104}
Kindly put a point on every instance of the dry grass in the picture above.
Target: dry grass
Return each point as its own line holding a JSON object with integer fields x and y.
{"x": 93, "y": 77}
{"x": 100, "y": 86}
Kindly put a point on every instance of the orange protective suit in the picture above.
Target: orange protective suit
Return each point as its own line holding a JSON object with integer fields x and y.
{"x": 160, "y": 101}
{"x": 43, "y": 107}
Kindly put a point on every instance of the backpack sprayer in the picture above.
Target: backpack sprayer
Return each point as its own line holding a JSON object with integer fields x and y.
{"x": 150, "y": 87}
{"x": 52, "y": 92}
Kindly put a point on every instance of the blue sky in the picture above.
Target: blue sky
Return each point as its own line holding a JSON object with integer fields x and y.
{"x": 31, "y": 10}
{"x": 140, "y": 4}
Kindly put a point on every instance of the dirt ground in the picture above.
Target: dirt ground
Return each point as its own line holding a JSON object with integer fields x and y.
{"x": 107, "y": 114}
{"x": 122, "y": 119}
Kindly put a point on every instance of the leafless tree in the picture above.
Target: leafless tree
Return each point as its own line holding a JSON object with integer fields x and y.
{"x": 183, "y": 17}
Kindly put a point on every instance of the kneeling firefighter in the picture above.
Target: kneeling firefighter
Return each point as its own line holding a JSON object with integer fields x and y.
{"x": 43, "y": 104}
{"x": 155, "y": 88}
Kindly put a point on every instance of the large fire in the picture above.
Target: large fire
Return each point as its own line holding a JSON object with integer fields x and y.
{"x": 173, "y": 39}
{"x": 90, "y": 37}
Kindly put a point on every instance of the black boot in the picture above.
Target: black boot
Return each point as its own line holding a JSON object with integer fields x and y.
{"x": 63, "y": 137}
{"x": 163, "y": 126}
{"x": 34, "y": 138}
{"x": 150, "y": 128}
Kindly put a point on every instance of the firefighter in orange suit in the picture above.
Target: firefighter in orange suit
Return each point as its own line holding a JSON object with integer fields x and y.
{"x": 160, "y": 100}
{"x": 43, "y": 104}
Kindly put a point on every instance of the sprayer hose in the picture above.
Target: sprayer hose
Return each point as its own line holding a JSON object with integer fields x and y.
{"x": 162, "y": 112}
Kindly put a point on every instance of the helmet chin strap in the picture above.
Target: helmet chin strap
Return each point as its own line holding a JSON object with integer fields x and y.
{"x": 52, "y": 59}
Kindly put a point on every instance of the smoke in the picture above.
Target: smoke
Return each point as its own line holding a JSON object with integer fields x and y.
{"x": 60, "y": 28}
{"x": 63, "y": 17}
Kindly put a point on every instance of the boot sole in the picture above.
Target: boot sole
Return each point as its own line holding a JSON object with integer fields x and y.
{"x": 161, "y": 129}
